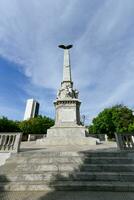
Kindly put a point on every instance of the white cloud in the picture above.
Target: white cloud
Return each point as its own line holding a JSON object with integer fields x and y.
{"x": 102, "y": 58}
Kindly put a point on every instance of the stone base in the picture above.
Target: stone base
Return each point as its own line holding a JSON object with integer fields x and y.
{"x": 58, "y": 136}
{"x": 66, "y": 132}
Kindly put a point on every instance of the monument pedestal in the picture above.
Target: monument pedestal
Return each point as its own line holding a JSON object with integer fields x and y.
{"x": 59, "y": 136}
{"x": 66, "y": 132}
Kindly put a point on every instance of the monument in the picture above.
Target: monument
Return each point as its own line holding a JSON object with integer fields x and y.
{"x": 67, "y": 128}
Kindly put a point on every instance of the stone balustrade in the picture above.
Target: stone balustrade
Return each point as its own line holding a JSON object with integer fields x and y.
{"x": 101, "y": 137}
{"x": 33, "y": 137}
{"x": 10, "y": 142}
{"x": 125, "y": 141}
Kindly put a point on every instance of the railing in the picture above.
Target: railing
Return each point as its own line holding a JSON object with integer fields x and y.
{"x": 33, "y": 137}
{"x": 125, "y": 141}
{"x": 10, "y": 142}
{"x": 101, "y": 137}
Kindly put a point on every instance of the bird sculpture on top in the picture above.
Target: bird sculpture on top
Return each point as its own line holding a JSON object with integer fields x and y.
{"x": 62, "y": 46}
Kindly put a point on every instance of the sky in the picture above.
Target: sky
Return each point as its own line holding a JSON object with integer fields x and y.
{"x": 102, "y": 57}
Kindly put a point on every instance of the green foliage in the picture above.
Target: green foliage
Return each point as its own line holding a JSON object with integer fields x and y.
{"x": 131, "y": 128}
{"x": 115, "y": 119}
{"x": 122, "y": 117}
{"x": 38, "y": 125}
{"x": 7, "y": 125}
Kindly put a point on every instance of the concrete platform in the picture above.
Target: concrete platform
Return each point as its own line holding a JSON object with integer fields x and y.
{"x": 32, "y": 145}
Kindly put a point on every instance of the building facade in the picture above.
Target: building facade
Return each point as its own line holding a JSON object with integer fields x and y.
{"x": 32, "y": 109}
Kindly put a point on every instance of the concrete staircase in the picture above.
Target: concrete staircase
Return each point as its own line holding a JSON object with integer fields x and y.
{"x": 41, "y": 170}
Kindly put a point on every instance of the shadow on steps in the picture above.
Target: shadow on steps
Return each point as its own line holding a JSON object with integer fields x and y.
{"x": 74, "y": 185}
{"x": 4, "y": 180}
{"x": 83, "y": 192}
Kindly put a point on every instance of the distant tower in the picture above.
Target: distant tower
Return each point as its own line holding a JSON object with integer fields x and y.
{"x": 32, "y": 109}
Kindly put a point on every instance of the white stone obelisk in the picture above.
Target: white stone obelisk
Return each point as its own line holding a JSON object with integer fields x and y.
{"x": 67, "y": 67}
{"x": 67, "y": 103}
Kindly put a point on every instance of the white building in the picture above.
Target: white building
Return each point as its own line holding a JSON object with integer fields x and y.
{"x": 32, "y": 109}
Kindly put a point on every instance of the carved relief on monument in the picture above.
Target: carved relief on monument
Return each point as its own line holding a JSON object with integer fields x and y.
{"x": 67, "y": 92}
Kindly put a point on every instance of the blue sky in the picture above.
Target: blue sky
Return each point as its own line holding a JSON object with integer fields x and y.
{"x": 102, "y": 59}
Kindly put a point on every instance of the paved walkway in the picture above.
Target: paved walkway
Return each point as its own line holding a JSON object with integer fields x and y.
{"x": 66, "y": 195}
{"x": 32, "y": 145}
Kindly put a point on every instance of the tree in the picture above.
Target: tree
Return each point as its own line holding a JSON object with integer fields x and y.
{"x": 7, "y": 125}
{"x": 122, "y": 117}
{"x": 38, "y": 125}
{"x": 115, "y": 119}
{"x": 131, "y": 127}
{"x": 103, "y": 123}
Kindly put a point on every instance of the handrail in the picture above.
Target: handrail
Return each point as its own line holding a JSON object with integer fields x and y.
{"x": 10, "y": 142}
{"x": 125, "y": 141}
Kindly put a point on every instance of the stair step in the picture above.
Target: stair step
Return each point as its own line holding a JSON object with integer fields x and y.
{"x": 39, "y": 171}
{"x": 70, "y": 153}
{"x": 75, "y": 159}
{"x": 68, "y": 185}
{"x": 72, "y": 167}
{"x": 84, "y": 176}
